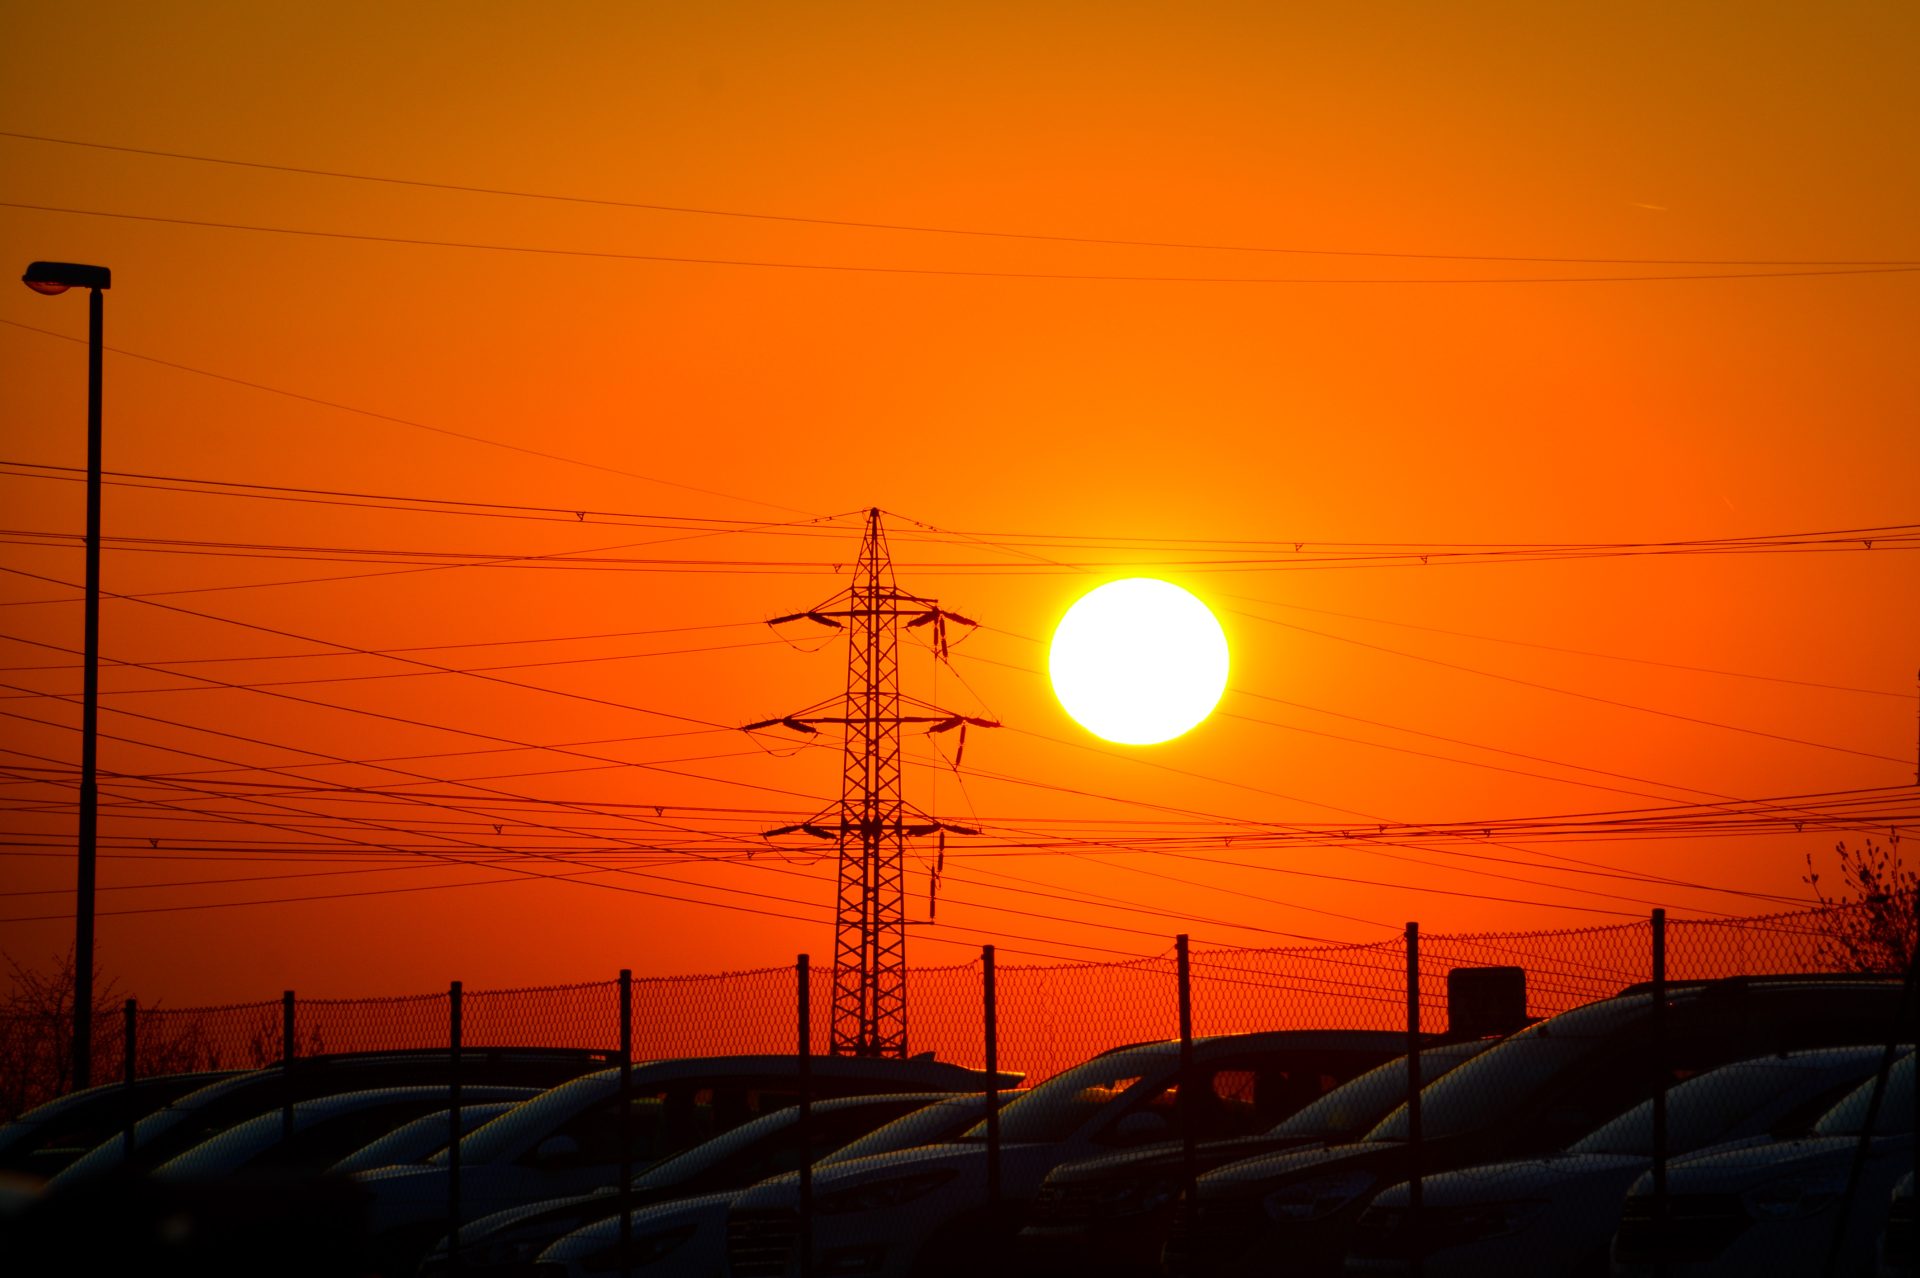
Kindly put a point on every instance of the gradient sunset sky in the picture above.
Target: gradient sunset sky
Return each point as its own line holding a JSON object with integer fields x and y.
{"x": 1483, "y": 275}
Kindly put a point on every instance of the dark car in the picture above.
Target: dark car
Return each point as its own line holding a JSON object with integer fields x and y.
{"x": 1110, "y": 1215}
{"x": 567, "y": 1141}
{"x": 1531, "y": 1094}
{"x": 505, "y": 1244}
{"x": 296, "y": 1225}
{"x": 187, "y": 1120}
{"x": 1781, "y": 1209}
{"x": 1240, "y": 1084}
{"x": 48, "y": 1137}
{"x": 322, "y": 1130}
{"x": 687, "y": 1236}
{"x": 1557, "y": 1214}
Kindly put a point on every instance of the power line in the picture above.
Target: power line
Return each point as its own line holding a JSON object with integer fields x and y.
{"x": 383, "y": 826}
{"x": 326, "y": 705}
{"x": 467, "y": 189}
{"x": 401, "y": 719}
{"x": 424, "y": 647}
{"x": 1031, "y": 555}
{"x": 524, "y": 873}
{"x": 1468, "y": 669}
{"x": 449, "y": 856}
{"x": 583, "y": 558}
{"x": 1018, "y": 542}
{"x": 942, "y": 272}
{"x": 1598, "y": 656}
{"x": 216, "y": 682}
{"x": 424, "y": 801}
{"x": 427, "y": 665}
{"x": 1568, "y": 692}
{"x": 403, "y": 503}
{"x": 595, "y": 559}
{"x": 1259, "y": 827}
{"x": 1875, "y": 537}
{"x": 424, "y": 674}
{"x": 1380, "y": 745}
{"x": 409, "y": 758}
{"x": 1439, "y": 890}
{"x": 407, "y": 422}
{"x": 1776, "y": 810}
{"x": 1889, "y": 536}
{"x": 1474, "y": 763}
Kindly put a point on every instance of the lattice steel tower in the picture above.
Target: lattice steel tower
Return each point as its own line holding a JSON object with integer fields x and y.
{"x": 873, "y": 821}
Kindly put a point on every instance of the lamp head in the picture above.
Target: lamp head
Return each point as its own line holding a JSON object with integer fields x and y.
{"x": 58, "y": 277}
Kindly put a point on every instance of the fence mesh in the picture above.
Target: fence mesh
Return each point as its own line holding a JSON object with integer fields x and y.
{"x": 1050, "y": 1016}
{"x": 1569, "y": 1143}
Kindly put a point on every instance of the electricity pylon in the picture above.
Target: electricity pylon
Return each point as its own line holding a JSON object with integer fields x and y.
{"x": 873, "y": 821}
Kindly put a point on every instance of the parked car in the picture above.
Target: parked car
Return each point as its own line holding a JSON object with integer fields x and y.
{"x": 933, "y": 1124}
{"x": 1534, "y": 1092}
{"x": 291, "y": 1225}
{"x": 689, "y": 1235}
{"x": 322, "y": 1130}
{"x": 1775, "y": 1209}
{"x": 184, "y": 1122}
{"x": 1556, "y": 1215}
{"x": 48, "y": 1137}
{"x": 1110, "y": 1215}
{"x": 505, "y": 1244}
{"x": 567, "y": 1141}
{"x": 925, "y": 1210}
{"x": 418, "y": 1140}
{"x": 1896, "y": 1253}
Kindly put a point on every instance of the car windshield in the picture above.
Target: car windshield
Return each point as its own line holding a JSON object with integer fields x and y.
{"x": 1702, "y": 1110}
{"x": 676, "y": 1167}
{"x": 1062, "y": 1105}
{"x": 1849, "y": 1117}
{"x": 1355, "y": 1106}
{"x": 506, "y": 1136}
{"x": 418, "y": 1139}
{"x": 88, "y": 1117}
{"x": 178, "y": 1126}
{"x": 1482, "y": 1092}
{"x": 940, "y": 1121}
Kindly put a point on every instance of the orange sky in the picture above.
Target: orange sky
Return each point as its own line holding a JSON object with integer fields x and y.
{"x": 1119, "y": 409}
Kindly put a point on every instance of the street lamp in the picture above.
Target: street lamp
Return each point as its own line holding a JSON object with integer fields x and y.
{"x": 52, "y": 278}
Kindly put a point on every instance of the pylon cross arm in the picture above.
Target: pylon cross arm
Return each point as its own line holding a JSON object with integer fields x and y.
{"x": 820, "y": 614}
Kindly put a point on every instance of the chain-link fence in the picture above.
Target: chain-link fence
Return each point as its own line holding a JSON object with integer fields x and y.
{"x": 1050, "y": 1015}
{"x": 1428, "y": 1104}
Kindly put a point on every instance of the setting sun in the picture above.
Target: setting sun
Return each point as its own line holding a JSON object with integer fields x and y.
{"x": 1138, "y": 661}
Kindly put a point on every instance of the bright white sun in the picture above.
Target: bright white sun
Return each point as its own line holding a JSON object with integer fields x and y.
{"x": 1138, "y": 661}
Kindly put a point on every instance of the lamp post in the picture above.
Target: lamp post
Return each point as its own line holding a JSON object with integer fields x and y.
{"x": 51, "y": 278}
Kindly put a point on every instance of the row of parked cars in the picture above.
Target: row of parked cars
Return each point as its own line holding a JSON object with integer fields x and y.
{"x": 1789, "y": 1128}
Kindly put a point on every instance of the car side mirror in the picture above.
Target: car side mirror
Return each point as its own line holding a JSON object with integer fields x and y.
{"x": 1142, "y": 1128}
{"x": 556, "y": 1149}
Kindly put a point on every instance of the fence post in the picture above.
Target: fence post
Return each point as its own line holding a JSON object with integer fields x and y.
{"x": 288, "y": 1046}
{"x": 1183, "y": 972}
{"x": 805, "y": 1046}
{"x": 453, "y": 1148}
{"x": 128, "y": 1055}
{"x": 1662, "y": 1072}
{"x": 1415, "y": 1189}
{"x": 626, "y": 1122}
{"x": 992, "y": 1026}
